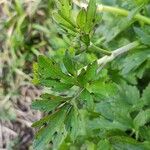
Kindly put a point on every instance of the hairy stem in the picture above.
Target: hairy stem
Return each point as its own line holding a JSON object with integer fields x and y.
{"x": 115, "y": 10}
{"x": 104, "y": 60}
{"x": 98, "y": 49}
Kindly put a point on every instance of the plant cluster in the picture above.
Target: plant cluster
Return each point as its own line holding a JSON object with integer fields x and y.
{"x": 88, "y": 103}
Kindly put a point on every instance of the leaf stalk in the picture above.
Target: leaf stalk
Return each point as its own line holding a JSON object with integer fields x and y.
{"x": 98, "y": 49}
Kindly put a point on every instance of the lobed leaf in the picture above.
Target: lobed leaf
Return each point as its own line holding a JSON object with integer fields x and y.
{"x": 45, "y": 134}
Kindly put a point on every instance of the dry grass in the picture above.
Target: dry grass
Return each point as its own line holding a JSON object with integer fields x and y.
{"x": 18, "y": 49}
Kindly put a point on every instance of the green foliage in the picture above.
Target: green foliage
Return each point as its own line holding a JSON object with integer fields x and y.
{"x": 83, "y": 24}
{"x": 81, "y": 19}
{"x": 143, "y": 35}
{"x": 90, "y": 16}
{"x": 87, "y": 106}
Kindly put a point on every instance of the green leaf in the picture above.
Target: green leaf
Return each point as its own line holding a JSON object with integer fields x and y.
{"x": 81, "y": 18}
{"x": 45, "y": 105}
{"x": 102, "y": 123}
{"x": 43, "y": 121}
{"x": 48, "y": 102}
{"x": 104, "y": 108}
{"x": 145, "y": 132}
{"x": 56, "y": 85}
{"x": 90, "y": 145}
{"x": 146, "y": 95}
{"x": 127, "y": 143}
{"x": 69, "y": 80}
{"x": 91, "y": 11}
{"x": 143, "y": 36}
{"x": 142, "y": 118}
{"x": 59, "y": 138}
{"x": 35, "y": 74}
{"x": 134, "y": 60}
{"x": 139, "y": 2}
{"x": 19, "y": 7}
{"x": 91, "y": 71}
{"x": 49, "y": 68}
{"x": 98, "y": 18}
{"x": 86, "y": 97}
{"x": 130, "y": 93}
{"x": 66, "y": 8}
{"x": 72, "y": 124}
{"x": 49, "y": 73}
{"x": 81, "y": 78}
{"x": 85, "y": 39}
{"x": 121, "y": 113}
{"x": 63, "y": 22}
{"x": 104, "y": 145}
{"x": 45, "y": 134}
{"x": 101, "y": 88}
{"x": 69, "y": 63}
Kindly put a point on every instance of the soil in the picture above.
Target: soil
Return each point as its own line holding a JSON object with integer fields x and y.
{"x": 18, "y": 134}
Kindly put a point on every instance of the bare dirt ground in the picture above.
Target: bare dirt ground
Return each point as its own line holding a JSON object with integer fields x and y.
{"x": 18, "y": 133}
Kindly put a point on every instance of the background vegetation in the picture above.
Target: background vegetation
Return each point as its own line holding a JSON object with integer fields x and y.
{"x": 28, "y": 29}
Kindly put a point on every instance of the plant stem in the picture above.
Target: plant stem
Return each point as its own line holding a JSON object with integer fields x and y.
{"x": 115, "y": 10}
{"x": 104, "y": 60}
{"x": 98, "y": 49}
{"x": 123, "y": 12}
